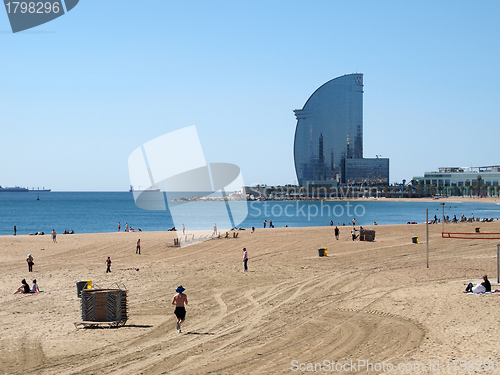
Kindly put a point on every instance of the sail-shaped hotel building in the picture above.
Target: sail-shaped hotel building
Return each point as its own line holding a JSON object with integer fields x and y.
{"x": 328, "y": 147}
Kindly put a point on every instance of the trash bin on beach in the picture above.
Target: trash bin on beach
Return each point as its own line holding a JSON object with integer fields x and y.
{"x": 89, "y": 284}
{"x": 80, "y": 285}
{"x": 414, "y": 239}
{"x": 321, "y": 252}
{"x": 478, "y": 230}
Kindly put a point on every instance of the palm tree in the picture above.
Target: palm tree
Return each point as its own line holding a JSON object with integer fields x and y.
{"x": 419, "y": 190}
{"x": 462, "y": 188}
{"x": 341, "y": 192}
{"x": 479, "y": 178}
{"x": 492, "y": 189}
{"x": 432, "y": 188}
{"x": 386, "y": 190}
{"x": 408, "y": 189}
{"x": 395, "y": 189}
{"x": 467, "y": 184}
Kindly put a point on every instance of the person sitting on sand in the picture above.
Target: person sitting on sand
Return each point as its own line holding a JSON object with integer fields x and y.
{"x": 484, "y": 287}
{"x": 34, "y": 287}
{"x": 486, "y": 283}
{"x": 24, "y": 288}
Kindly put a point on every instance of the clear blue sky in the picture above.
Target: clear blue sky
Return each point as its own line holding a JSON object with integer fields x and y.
{"x": 80, "y": 93}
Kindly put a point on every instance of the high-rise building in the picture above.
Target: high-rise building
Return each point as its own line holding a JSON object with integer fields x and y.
{"x": 329, "y": 131}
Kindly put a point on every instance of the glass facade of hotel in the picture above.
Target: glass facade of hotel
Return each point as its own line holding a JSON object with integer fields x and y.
{"x": 367, "y": 171}
{"x": 329, "y": 130}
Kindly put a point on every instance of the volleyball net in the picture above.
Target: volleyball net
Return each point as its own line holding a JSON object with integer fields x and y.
{"x": 471, "y": 236}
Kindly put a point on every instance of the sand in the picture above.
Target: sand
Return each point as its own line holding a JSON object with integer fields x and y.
{"x": 373, "y": 301}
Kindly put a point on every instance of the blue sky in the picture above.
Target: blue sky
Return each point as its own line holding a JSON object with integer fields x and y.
{"x": 80, "y": 93}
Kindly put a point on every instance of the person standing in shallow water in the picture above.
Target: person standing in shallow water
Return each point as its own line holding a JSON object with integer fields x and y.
{"x": 179, "y": 301}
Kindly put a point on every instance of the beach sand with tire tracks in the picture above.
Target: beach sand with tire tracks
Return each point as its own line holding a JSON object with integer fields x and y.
{"x": 372, "y": 301}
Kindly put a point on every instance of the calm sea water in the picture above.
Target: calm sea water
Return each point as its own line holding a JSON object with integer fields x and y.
{"x": 89, "y": 212}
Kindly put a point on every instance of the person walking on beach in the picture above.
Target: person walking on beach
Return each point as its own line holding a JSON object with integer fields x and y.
{"x": 108, "y": 264}
{"x": 138, "y": 248}
{"x": 126, "y": 227}
{"x": 179, "y": 301}
{"x": 215, "y": 229}
{"x": 337, "y": 232}
{"x": 265, "y": 222}
{"x": 353, "y": 232}
{"x": 183, "y": 229}
{"x": 30, "y": 262}
{"x": 15, "y": 230}
{"x": 119, "y": 226}
{"x": 54, "y": 235}
{"x": 245, "y": 259}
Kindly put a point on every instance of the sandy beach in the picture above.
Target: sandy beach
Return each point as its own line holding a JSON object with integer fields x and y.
{"x": 366, "y": 301}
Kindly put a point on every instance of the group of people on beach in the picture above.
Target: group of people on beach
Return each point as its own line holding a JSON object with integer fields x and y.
{"x": 463, "y": 219}
{"x": 483, "y": 287}
{"x": 264, "y": 223}
{"x": 127, "y": 228}
{"x": 179, "y": 300}
{"x": 25, "y": 288}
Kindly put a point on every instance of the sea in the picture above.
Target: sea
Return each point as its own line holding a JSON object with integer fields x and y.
{"x": 98, "y": 212}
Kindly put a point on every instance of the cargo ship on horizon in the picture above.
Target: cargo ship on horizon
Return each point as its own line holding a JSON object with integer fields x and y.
{"x": 20, "y": 189}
